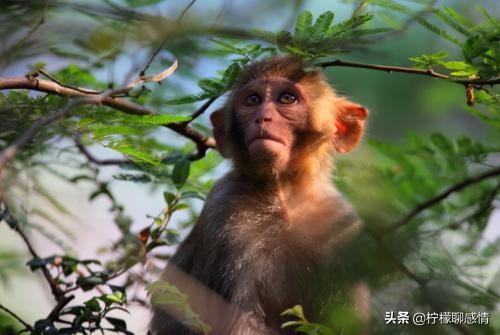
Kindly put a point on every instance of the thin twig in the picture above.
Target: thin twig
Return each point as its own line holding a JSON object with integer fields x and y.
{"x": 10, "y": 152}
{"x": 14, "y": 224}
{"x": 484, "y": 206}
{"x": 83, "y": 90}
{"x": 15, "y": 316}
{"x": 33, "y": 30}
{"x": 98, "y": 161}
{"x": 179, "y": 19}
{"x": 428, "y": 72}
{"x": 441, "y": 196}
{"x": 399, "y": 263}
{"x": 421, "y": 281}
{"x": 165, "y": 40}
{"x": 203, "y": 108}
{"x": 54, "y": 313}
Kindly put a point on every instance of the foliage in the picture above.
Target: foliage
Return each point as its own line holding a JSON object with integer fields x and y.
{"x": 302, "y": 325}
{"x": 162, "y": 293}
{"x": 420, "y": 240}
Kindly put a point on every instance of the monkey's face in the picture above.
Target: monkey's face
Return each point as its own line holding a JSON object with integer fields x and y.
{"x": 270, "y": 113}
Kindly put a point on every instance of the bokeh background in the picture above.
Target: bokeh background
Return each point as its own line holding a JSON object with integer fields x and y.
{"x": 84, "y": 32}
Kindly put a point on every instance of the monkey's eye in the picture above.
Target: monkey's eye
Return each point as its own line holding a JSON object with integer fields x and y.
{"x": 252, "y": 100}
{"x": 287, "y": 98}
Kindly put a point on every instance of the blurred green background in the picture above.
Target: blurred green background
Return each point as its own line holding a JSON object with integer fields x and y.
{"x": 113, "y": 40}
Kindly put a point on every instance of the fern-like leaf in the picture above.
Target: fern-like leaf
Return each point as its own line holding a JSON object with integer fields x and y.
{"x": 303, "y": 25}
{"x": 189, "y": 99}
{"x": 323, "y": 23}
{"x": 345, "y": 28}
{"x": 132, "y": 153}
{"x": 104, "y": 130}
{"x": 438, "y": 31}
{"x": 450, "y": 20}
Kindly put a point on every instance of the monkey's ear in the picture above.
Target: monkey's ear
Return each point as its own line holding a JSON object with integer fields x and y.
{"x": 218, "y": 121}
{"x": 350, "y": 124}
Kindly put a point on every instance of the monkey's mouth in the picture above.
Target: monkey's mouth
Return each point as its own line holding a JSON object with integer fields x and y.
{"x": 266, "y": 137}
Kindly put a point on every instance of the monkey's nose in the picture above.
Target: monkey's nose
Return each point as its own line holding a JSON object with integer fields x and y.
{"x": 262, "y": 118}
{"x": 264, "y": 115}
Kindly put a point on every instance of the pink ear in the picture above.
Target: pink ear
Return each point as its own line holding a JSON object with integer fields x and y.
{"x": 350, "y": 124}
{"x": 218, "y": 121}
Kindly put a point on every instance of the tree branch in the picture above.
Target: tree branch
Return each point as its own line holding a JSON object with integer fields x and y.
{"x": 10, "y": 152}
{"x": 202, "y": 142}
{"x": 95, "y": 160}
{"x": 14, "y": 224}
{"x": 428, "y": 72}
{"x": 15, "y": 316}
{"x": 441, "y": 196}
{"x": 165, "y": 40}
{"x": 203, "y": 108}
{"x": 421, "y": 281}
{"x": 54, "y": 313}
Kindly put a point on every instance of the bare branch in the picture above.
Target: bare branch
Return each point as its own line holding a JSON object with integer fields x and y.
{"x": 14, "y": 224}
{"x": 165, "y": 40}
{"x": 83, "y": 90}
{"x": 11, "y": 50}
{"x": 428, "y": 72}
{"x": 443, "y": 195}
{"x": 179, "y": 19}
{"x": 54, "y": 313}
{"x": 15, "y": 316}
{"x": 203, "y": 108}
{"x": 98, "y": 161}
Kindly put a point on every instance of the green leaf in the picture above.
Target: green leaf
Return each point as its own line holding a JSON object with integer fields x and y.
{"x": 118, "y": 324}
{"x": 427, "y": 61}
{"x": 438, "y": 31}
{"x": 140, "y": 178}
{"x": 164, "y": 293}
{"x": 134, "y": 154}
{"x": 303, "y": 25}
{"x": 323, "y": 23}
{"x": 180, "y": 173}
{"x": 443, "y": 143}
{"x": 88, "y": 283}
{"x": 211, "y": 86}
{"x": 84, "y": 122}
{"x": 101, "y": 130}
{"x": 463, "y": 68}
{"x": 189, "y": 99}
{"x": 116, "y": 297}
{"x": 458, "y": 17}
{"x": 142, "y": 3}
{"x": 93, "y": 305}
{"x": 161, "y": 119}
{"x": 296, "y": 311}
{"x": 227, "y": 46}
{"x": 452, "y": 22}
{"x": 292, "y": 324}
{"x": 169, "y": 197}
{"x": 346, "y": 27}
{"x": 230, "y": 74}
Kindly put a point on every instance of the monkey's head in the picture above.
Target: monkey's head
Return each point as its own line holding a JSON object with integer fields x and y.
{"x": 284, "y": 119}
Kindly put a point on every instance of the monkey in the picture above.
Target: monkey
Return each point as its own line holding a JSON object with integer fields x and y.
{"x": 272, "y": 224}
